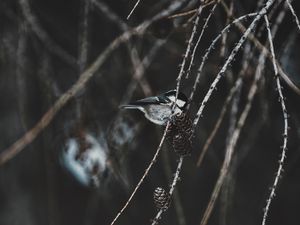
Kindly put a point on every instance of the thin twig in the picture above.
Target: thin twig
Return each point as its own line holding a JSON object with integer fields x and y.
{"x": 139, "y": 71}
{"x": 132, "y": 10}
{"x": 173, "y": 7}
{"x": 191, "y": 11}
{"x": 110, "y": 14}
{"x": 205, "y": 25}
{"x": 210, "y": 48}
{"x": 30, "y": 135}
{"x": 176, "y": 197}
{"x": 261, "y": 47}
{"x": 229, "y": 182}
{"x": 224, "y": 38}
{"x": 187, "y": 52}
{"x": 135, "y": 59}
{"x": 183, "y": 14}
{"x": 285, "y": 121}
{"x": 234, "y": 139}
{"x": 247, "y": 55}
{"x": 288, "y": 2}
{"x": 172, "y": 188}
{"x": 233, "y": 142}
{"x": 144, "y": 175}
{"x": 219, "y": 121}
{"x": 230, "y": 59}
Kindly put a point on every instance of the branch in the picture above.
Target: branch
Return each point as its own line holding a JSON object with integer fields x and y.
{"x": 172, "y": 188}
{"x": 288, "y": 2}
{"x": 136, "y": 4}
{"x": 28, "y": 137}
{"x": 230, "y": 59}
{"x": 285, "y": 121}
{"x": 233, "y": 90}
{"x": 224, "y": 38}
{"x": 233, "y": 141}
{"x": 200, "y": 37}
{"x": 209, "y": 50}
{"x": 238, "y": 83}
{"x": 187, "y": 52}
{"x": 144, "y": 175}
{"x": 261, "y": 47}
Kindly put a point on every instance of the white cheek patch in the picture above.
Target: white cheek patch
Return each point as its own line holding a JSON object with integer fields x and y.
{"x": 172, "y": 98}
{"x": 179, "y": 102}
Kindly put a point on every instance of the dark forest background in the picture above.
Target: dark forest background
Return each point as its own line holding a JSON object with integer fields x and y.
{"x": 44, "y": 47}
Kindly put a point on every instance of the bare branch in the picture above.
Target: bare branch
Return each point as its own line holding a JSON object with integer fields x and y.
{"x": 233, "y": 141}
{"x": 209, "y": 50}
{"x": 230, "y": 59}
{"x": 288, "y": 2}
{"x": 29, "y": 136}
{"x": 187, "y": 52}
{"x": 144, "y": 175}
{"x": 200, "y": 37}
{"x": 233, "y": 90}
{"x": 285, "y": 121}
{"x": 136, "y": 4}
{"x": 174, "y": 182}
{"x": 261, "y": 47}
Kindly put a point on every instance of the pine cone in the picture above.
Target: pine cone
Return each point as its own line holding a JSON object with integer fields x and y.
{"x": 180, "y": 134}
{"x": 161, "y": 198}
{"x": 182, "y": 145}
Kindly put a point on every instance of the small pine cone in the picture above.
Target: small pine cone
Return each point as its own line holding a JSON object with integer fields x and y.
{"x": 182, "y": 145}
{"x": 161, "y": 198}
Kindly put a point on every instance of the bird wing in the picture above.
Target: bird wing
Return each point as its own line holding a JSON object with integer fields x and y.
{"x": 147, "y": 101}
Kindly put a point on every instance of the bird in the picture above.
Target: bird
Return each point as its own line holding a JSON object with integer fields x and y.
{"x": 159, "y": 109}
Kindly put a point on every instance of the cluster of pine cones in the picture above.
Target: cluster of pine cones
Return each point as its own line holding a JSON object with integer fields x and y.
{"x": 180, "y": 134}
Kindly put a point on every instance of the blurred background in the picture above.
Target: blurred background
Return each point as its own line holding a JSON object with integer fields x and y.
{"x": 82, "y": 168}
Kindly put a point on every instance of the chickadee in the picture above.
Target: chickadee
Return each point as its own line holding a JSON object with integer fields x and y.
{"x": 158, "y": 109}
